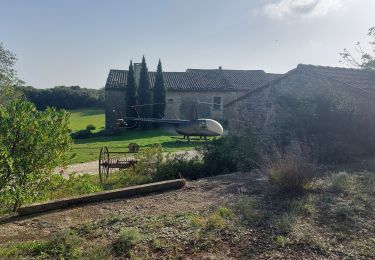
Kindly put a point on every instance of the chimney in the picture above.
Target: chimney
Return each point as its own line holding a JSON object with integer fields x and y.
{"x": 137, "y": 72}
{"x": 220, "y": 68}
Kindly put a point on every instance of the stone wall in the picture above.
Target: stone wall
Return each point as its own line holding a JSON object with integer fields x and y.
{"x": 180, "y": 104}
{"x": 258, "y": 113}
{"x": 115, "y": 106}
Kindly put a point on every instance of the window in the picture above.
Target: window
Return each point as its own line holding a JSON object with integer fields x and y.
{"x": 217, "y": 103}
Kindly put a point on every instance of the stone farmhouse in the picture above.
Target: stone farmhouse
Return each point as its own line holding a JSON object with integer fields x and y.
{"x": 257, "y": 111}
{"x": 207, "y": 89}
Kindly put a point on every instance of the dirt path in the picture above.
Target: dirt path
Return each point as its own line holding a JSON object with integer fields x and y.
{"x": 196, "y": 195}
{"x": 92, "y": 167}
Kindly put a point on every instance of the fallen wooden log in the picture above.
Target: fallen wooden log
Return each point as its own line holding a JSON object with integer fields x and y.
{"x": 100, "y": 196}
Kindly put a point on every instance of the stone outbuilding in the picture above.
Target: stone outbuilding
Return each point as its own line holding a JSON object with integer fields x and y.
{"x": 207, "y": 89}
{"x": 257, "y": 111}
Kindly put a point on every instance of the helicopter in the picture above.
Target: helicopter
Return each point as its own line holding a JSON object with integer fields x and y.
{"x": 200, "y": 127}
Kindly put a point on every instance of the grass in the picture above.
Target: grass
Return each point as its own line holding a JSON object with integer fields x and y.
{"x": 80, "y": 118}
{"x": 86, "y": 150}
{"x": 258, "y": 224}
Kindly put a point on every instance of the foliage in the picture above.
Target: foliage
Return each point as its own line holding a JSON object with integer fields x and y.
{"x": 8, "y": 77}
{"x": 229, "y": 154}
{"x": 290, "y": 172}
{"x": 330, "y": 129}
{"x": 366, "y": 59}
{"x": 64, "y": 244}
{"x": 179, "y": 166}
{"x": 128, "y": 238}
{"x": 90, "y": 127}
{"x": 160, "y": 92}
{"x": 32, "y": 144}
{"x": 62, "y": 97}
{"x": 144, "y": 95}
{"x": 131, "y": 92}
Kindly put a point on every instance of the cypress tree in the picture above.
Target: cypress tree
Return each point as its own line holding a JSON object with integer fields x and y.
{"x": 160, "y": 92}
{"x": 145, "y": 95}
{"x": 131, "y": 92}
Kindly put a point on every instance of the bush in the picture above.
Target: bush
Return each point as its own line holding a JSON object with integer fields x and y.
{"x": 32, "y": 145}
{"x": 178, "y": 166}
{"x": 229, "y": 154}
{"x": 90, "y": 127}
{"x": 82, "y": 134}
{"x": 128, "y": 238}
{"x": 290, "y": 172}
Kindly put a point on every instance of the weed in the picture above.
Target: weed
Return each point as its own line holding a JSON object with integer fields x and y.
{"x": 128, "y": 238}
{"x": 115, "y": 217}
{"x": 225, "y": 213}
{"x": 64, "y": 244}
{"x": 285, "y": 223}
{"x": 198, "y": 221}
{"x": 215, "y": 221}
{"x": 282, "y": 241}
{"x": 340, "y": 182}
{"x": 248, "y": 211}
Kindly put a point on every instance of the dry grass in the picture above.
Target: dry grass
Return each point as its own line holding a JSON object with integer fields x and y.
{"x": 290, "y": 172}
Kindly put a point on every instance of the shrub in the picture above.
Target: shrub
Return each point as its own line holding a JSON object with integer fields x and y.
{"x": 290, "y": 172}
{"x": 32, "y": 145}
{"x": 128, "y": 238}
{"x": 90, "y": 127}
{"x": 177, "y": 166}
{"x": 229, "y": 154}
{"x": 82, "y": 134}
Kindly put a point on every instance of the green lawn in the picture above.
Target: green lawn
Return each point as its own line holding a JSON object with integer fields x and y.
{"x": 87, "y": 150}
{"x": 80, "y": 118}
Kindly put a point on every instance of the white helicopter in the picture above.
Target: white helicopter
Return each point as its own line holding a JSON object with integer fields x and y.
{"x": 200, "y": 127}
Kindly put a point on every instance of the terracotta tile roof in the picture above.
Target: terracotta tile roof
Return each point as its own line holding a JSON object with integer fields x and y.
{"x": 202, "y": 80}
{"x": 362, "y": 80}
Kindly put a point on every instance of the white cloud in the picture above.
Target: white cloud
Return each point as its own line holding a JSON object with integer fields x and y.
{"x": 301, "y": 8}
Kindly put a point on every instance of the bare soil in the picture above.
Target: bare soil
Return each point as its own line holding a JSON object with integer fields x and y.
{"x": 195, "y": 196}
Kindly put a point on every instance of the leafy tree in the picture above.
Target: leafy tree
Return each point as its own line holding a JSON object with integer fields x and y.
{"x": 8, "y": 77}
{"x": 32, "y": 145}
{"x": 160, "y": 92}
{"x": 131, "y": 92}
{"x": 145, "y": 95}
{"x": 366, "y": 59}
{"x": 63, "y": 97}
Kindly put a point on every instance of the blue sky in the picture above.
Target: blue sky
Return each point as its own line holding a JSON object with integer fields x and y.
{"x": 76, "y": 42}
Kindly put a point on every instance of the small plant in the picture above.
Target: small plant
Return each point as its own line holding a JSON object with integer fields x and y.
{"x": 90, "y": 127}
{"x": 282, "y": 241}
{"x": 285, "y": 223}
{"x": 340, "y": 182}
{"x": 290, "y": 172}
{"x": 215, "y": 221}
{"x": 128, "y": 238}
{"x": 225, "y": 213}
{"x": 65, "y": 245}
{"x": 248, "y": 211}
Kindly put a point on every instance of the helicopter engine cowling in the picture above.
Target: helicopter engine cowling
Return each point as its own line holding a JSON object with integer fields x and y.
{"x": 200, "y": 127}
